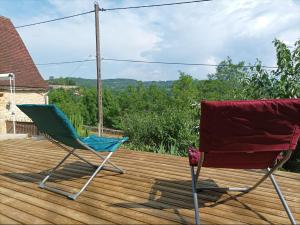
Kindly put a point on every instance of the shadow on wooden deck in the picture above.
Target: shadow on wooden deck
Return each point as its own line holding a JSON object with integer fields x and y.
{"x": 167, "y": 194}
{"x": 160, "y": 194}
{"x": 67, "y": 172}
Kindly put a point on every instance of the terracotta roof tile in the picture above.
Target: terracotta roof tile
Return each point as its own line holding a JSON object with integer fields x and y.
{"x": 15, "y": 58}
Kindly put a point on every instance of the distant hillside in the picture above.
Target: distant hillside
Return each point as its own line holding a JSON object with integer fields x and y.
{"x": 114, "y": 84}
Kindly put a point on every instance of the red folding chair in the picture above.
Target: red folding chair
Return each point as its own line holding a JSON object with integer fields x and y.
{"x": 255, "y": 134}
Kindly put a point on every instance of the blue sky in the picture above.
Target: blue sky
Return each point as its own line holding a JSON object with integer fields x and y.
{"x": 205, "y": 32}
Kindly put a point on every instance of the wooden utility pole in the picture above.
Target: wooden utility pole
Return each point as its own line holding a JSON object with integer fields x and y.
{"x": 98, "y": 61}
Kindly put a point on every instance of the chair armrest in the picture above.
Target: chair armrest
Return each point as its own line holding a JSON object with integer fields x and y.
{"x": 194, "y": 156}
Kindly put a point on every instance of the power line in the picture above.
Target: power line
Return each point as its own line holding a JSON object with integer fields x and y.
{"x": 78, "y": 66}
{"x": 64, "y": 62}
{"x": 56, "y": 19}
{"x": 111, "y": 9}
{"x": 149, "y": 62}
{"x": 158, "y": 62}
{"x": 154, "y": 5}
{"x": 177, "y": 63}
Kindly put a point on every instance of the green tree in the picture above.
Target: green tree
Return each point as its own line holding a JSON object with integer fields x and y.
{"x": 111, "y": 109}
{"x": 61, "y": 81}
{"x": 228, "y": 80}
{"x": 89, "y": 110}
{"x": 184, "y": 91}
{"x": 283, "y": 82}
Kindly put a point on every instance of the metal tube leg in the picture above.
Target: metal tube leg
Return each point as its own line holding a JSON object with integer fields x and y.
{"x": 284, "y": 203}
{"x": 91, "y": 178}
{"x": 98, "y": 168}
{"x": 118, "y": 169}
{"x": 68, "y": 150}
{"x": 115, "y": 166}
{"x": 42, "y": 183}
{"x": 195, "y": 196}
{"x": 109, "y": 162}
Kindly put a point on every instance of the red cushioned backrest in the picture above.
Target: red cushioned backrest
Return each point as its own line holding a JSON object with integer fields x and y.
{"x": 240, "y": 160}
{"x": 248, "y": 134}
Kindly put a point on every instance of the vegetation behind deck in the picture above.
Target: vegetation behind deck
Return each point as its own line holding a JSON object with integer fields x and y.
{"x": 163, "y": 119}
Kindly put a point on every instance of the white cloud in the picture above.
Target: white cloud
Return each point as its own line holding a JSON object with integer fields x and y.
{"x": 200, "y": 33}
{"x": 127, "y": 36}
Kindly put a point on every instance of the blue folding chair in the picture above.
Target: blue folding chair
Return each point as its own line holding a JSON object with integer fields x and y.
{"x": 56, "y": 127}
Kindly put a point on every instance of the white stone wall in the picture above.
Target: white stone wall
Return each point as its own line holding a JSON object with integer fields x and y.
{"x": 20, "y": 98}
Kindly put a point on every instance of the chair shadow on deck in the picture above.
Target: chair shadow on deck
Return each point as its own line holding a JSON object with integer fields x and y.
{"x": 67, "y": 172}
{"x": 176, "y": 195}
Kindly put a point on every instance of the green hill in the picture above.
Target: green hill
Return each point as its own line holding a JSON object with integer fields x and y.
{"x": 114, "y": 84}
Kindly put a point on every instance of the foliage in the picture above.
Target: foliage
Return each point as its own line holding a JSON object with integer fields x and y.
{"x": 160, "y": 117}
{"x": 229, "y": 79}
{"x": 69, "y": 102}
{"x": 61, "y": 81}
{"x": 284, "y": 82}
{"x": 77, "y": 122}
{"x": 113, "y": 84}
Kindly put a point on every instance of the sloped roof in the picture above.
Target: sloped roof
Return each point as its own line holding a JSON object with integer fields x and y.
{"x": 15, "y": 58}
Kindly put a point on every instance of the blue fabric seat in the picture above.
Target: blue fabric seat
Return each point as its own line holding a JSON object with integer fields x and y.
{"x": 50, "y": 120}
{"x": 103, "y": 143}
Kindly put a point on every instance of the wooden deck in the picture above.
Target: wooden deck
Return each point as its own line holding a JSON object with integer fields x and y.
{"x": 156, "y": 189}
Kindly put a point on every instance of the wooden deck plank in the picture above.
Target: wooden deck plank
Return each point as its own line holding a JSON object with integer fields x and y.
{"x": 21, "y": 216}
{"x": 155, "y": 190}
{"x": 182, "y": 204}
{"x": 121, "y": 177}
{"x": 60, "y": 201}
{"x": 232, "y": 173}
{"x": 123, "y": 197}
{"x": 84, "y": 218}
{"x": 7, "y": 220}
{"x": 47, "y": 215}
{"x": 264, "y": 194}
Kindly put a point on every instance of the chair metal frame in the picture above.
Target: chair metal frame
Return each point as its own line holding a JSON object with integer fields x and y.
{"x": 269, "y": 173}
{"x": 98, "y": 168}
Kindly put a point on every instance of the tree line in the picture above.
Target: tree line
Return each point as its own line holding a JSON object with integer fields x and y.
{"x": 166, "y": 120}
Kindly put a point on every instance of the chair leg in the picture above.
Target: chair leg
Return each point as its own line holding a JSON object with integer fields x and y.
{"x": 73, "y": 197}
{"x": 195, "y": 196}
{"x": 115, "y": 167}
{"x": 238, "y": 189}
{"x": 248, "y": 189}
{"x": 70, "y": 195}
{"x": 283, "y": 201}
{"x": 105, "y": 159}
{"x": 42, "y": 183}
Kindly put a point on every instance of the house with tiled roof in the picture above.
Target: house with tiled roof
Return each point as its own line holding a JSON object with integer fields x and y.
{"x": 31, "y": 88}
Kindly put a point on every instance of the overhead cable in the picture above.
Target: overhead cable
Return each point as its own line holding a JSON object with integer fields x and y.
{"x": 178, "y": 63}
{"x": 64, "y": 62}
{"x": 153, "y": 5}
{"x": 150, "y": 62}
{"x": 56, "y": 19}
{"x": 79, "y": 65}
{"x": 111, "y": 9}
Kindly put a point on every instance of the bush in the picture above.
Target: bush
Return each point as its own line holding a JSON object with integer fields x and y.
{"x": 170, "y": 131}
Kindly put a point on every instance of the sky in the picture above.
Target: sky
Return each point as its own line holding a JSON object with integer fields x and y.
{"x": 206, "y": 32}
